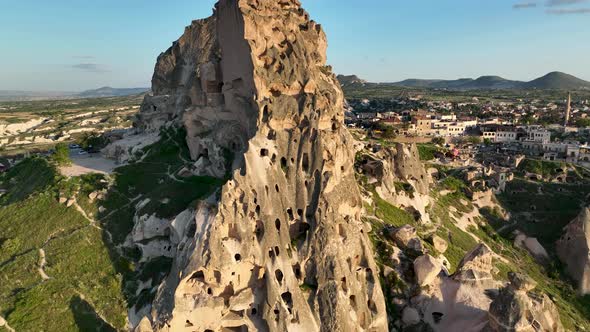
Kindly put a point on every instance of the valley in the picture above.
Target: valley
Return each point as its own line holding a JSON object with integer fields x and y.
{"x": 38, "y": 125}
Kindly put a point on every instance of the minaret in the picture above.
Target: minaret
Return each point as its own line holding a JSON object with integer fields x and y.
{"x": 569, "y": 109}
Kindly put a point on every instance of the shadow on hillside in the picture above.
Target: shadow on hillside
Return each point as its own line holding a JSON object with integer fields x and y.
{"x": 154, "y": 180}
{"x": 86, "y": 317}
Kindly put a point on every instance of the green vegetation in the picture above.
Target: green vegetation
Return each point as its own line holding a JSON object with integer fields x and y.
{"x": 391, "y": 214}
{"x": 551, "y": 280}
{"x": 77, "y": 259}
{"x": 30, "y": 176}
{"x": 541, "y": 167}
{"x": 459, "y": 241}
{"x": 90, "y": 141}
{"x": 91, "y": 282}
{"x": 542, "y": 210}
{"x": 574, "y": 310}
{"x": 452, "y": 183}
{"x": 75, "y": 118}
{"x": 405, "y": 187}
{"x": 61, "y": 157}
{"x": 384, "y": 91}
{"x": 427, "y": 151}
{"x": 153, "y": 177}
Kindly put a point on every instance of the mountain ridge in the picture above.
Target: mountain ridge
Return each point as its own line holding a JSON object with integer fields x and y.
{"x": 552, "y": 81}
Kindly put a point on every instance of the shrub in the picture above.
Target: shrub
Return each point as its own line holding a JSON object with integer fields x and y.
{"x": 61, "y": 157}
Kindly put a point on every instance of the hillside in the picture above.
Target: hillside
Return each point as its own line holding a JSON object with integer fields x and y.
{"x": 111, "y": 92}
{"x": 559, "y": 81}
{"x": 491, "y": 82}
{"x": 554, "y": 80}
{"x": 418, "y": 83}
{"x": 63, "y": 239}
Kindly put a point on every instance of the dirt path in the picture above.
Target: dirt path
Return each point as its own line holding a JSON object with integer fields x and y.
{"x": 42, "y": 263}
{"x": 94, "y": 224}
{"x": 4, "y": 324}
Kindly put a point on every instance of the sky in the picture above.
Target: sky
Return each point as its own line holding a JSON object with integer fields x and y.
{"x": 74, "y": 45}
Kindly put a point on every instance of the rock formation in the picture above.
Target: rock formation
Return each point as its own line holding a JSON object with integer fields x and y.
{"x": 471, "y": 300}
{"x": 517, "y": 309}
{"x": 573, "y": 249}
{"x": 391, "y": 167}
{"x": 282, "y": 247}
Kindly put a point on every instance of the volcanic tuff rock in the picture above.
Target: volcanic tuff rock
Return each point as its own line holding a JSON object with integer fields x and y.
{"x": 573, "y": 249}
{"x": 392, "y": 166}
{"x": 518, "y": 309}
{"x": 283, "y": 247}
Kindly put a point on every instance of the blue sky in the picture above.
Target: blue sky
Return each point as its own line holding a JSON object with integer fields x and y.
{"x": 72, "y": 45}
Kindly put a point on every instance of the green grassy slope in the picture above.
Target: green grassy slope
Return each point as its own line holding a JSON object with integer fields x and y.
{"x": 91, "y": 282}
{"x": 77, "y": 260}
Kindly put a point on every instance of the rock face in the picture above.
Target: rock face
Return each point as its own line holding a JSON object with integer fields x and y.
{"x": 283, "y": 247}
{"x": 399, "y": 163}
{"x": 516, "y": 308}
{"x": 573, "y": 250}
{"x": 426, "y": 268}
{"x": 392, "y": 166}
{"x": 476, "y": 267}
{"x": 471, "y": 300}
{"x": 532, "y": 245}
{"x": 406, "y": 237}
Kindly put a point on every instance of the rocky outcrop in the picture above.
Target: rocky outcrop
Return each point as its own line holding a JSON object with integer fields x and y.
{"x": 406, "y": 237}
{"x": 397, "y": 164}
{"x": 471, "y": 300}
{"x": 477, "y": 267}
{"x": 573, "y": 249}
{"x": 532, "y": 245}
{"x": 518, "y": 309}
{"x": 440, "y": 245}
{"x": 426, "y": 269}
{"x": 130, "y": 144}
{"x": 400, "y": 177}
{"x": 283, "y": 247}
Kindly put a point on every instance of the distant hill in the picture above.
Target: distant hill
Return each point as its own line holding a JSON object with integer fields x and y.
{"x": 453, "y": 84}
{"x": 111, "y": 92}
{"x": 493, "y": 83}
{"x": 350, "y": 80}
{"x": 418, "y": 83}
{"x": 554, "y": 80}
{"x": 557, "y": 80}
{"x": 14, "y": 95}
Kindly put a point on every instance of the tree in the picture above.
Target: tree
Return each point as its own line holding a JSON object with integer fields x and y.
{"x": 62, "y": 155}
{"x": 438, "y": 141}
{"x": 474, "y": 139}
{"x": 92, "y": 141}
{"x": 388, "y": 132}
{"x": 583, "y": 123}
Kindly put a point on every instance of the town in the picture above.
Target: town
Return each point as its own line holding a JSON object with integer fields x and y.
{"x": 487, "y": 141}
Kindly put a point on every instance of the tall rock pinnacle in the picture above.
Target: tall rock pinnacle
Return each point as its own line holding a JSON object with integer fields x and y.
{"x": 283, "y": 247}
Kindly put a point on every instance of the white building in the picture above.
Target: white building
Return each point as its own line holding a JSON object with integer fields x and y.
{"x": 537, "y": 134}
{"x": 506, "y": 136}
